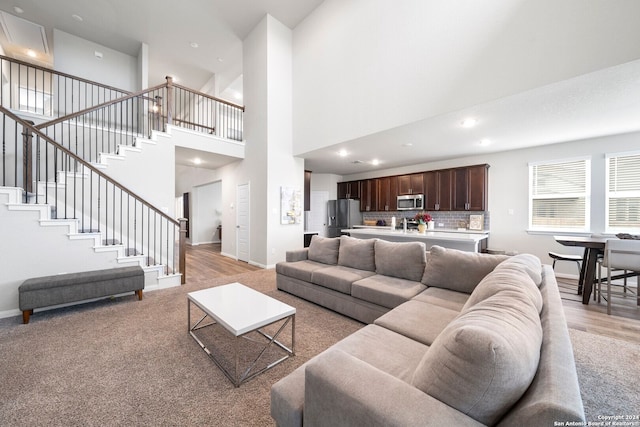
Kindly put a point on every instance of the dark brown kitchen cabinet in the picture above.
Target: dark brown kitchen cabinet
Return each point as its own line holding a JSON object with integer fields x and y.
{"x": 349, "y": 190}
{"x": 410, "y": 184}
{"x": 470, "y": 186}
{"x": 388, "y": 193}
{"x": 369, "y": 195}
{"x": 437, "y": 190}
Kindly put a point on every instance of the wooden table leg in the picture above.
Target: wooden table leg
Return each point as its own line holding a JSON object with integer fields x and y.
{"x": 589, "y": 274}
{"x": 583, "y": 270}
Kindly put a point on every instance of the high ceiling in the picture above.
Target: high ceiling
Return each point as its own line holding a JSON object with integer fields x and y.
{"x": 168, "y": 28}
{"x": 604, "y": 102}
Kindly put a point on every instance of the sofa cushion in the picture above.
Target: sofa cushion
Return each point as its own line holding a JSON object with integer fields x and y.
{"x": 417, "y": 320}
{"x": 513, "y": 281}
{"x": 357, "y": 253}
{"x": 383, "y": 349}
{"x": 445, "y": 298}
{"x": 324, "y": 249}
{"x": 338, "y": 278}
{"x": 405, "y": 260}
{"x": 525, "y": 262}
{"x": 458, "y": 270}
{"x": 300, "y": 269}
{"x": 485, "y": 359}
{"x": 386, "y": 291}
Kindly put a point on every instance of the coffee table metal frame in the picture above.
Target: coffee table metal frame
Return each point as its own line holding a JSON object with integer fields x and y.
{"x": 238, "y": 377}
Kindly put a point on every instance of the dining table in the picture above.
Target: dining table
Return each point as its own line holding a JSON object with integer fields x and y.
{"x": 593, "y": 246}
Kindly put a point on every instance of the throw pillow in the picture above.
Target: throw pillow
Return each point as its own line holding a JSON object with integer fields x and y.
{"x": 458, "y": 270}
{"x": 324, "y": 249}
{"x": 405, "y": 260}
{"x": 484, "y": 360}
{"x": 357, "y": 253}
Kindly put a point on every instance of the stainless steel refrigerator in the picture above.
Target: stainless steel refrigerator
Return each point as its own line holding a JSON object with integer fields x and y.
{"x": 342, "y": 213}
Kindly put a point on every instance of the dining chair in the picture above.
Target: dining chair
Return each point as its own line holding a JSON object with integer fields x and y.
{"x": 619, "y": 254}
{"x": 565, "y": 257}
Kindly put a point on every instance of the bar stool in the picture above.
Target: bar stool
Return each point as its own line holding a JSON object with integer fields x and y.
{"x": 565, "y": 257}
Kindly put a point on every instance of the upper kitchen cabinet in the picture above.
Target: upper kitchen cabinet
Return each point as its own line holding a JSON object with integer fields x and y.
{"x": 369, "y": 195}
{"x": 411, "y": 184}
{"x": 470, "y": 185}
{"x": 349, "y": 190}
{"x": 437, "y": 189}
{"x": 388, "y": 193}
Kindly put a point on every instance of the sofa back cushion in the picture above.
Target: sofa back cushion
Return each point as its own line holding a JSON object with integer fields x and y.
{"x": 515, "y": 283}
{"x": 515, "y": 276}
{"x": 405, "y": 260}
{"x": 357, "y": 253}
{"x": 324, "y": 249}
{"x": 528, "y": 263}
{"x": 458, "y": 270}
{"x": 485, "y": 359}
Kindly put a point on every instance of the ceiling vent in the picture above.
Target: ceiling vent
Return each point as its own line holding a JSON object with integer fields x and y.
{"x": 357, "y": 162}
{"x": 21, "y": 32}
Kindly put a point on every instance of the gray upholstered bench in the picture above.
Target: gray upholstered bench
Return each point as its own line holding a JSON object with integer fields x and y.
{"x": 65, "y": 288}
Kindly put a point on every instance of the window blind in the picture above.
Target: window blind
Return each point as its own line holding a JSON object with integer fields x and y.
{"x": 559, "y": 195}
{"x": 623, "y": 192}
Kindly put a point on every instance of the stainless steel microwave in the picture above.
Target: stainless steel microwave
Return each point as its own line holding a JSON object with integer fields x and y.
{"x": 411, "y": 202}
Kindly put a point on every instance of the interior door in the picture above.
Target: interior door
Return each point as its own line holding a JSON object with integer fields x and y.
{"x": 242, "y": 222}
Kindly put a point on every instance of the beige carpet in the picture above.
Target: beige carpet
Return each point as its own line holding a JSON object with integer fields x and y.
{"x": 128, "y": 362}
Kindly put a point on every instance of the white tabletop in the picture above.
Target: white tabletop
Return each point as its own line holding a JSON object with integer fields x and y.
{"x": 239, "y": 308}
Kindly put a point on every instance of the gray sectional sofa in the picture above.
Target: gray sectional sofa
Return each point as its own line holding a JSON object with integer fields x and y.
{"x": 453, "y": 338}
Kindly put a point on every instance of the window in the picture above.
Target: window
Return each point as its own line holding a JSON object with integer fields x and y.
{"x": 623, "y": 192}
{"x": 34, "y": 101}
{"x": 559, "y": 195}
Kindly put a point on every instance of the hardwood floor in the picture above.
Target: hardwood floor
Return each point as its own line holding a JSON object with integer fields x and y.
{"x": 205, "y": 262}
{"x": 623, "y": 323}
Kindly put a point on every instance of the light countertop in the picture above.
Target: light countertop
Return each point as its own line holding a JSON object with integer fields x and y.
{"x": 435, "y": 230}
{"x": 455, "y": 240}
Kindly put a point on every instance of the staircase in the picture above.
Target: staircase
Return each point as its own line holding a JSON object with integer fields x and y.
{"x": 63, "y": 177}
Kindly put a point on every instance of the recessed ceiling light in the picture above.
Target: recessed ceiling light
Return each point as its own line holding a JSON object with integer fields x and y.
{"x": 342, "y": 153}
{"x": 469, "y": 122}
{"x": 197, "y": 161}
{"x": 18, "y": 10}
{"x": 407, "y": 144}
{"x": 194, "y": 45}
{"x": 484, "y": 142}
{"x": 77, "y": 17}
{"x": 31, "y": 53}
{"x": 375, "y": 162}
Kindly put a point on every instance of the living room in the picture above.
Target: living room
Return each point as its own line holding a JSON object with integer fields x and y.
{"x": 526, "y": 56}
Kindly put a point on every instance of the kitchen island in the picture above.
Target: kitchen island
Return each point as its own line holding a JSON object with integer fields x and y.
{"x": 470, "y": 242}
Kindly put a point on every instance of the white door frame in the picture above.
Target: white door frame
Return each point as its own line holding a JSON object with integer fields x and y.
{"x": 243, "y": 222}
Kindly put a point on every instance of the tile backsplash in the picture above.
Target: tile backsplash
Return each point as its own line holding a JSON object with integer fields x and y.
{"x": 443, "y": 219}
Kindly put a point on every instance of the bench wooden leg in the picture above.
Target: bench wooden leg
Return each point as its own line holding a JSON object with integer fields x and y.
{"x": 139, "y": 293}
{"x": 25, "y": 316}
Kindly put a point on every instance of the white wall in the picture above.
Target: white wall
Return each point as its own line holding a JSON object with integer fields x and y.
{"x": 76, "y": 56}
{"x": 363, "y": 66}
{"x": 206, "y": 213}
{"x": 269, "y": 163}
{"x": 149, "y": 173}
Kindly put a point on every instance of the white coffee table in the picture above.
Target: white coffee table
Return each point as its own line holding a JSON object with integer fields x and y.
{"x": 241, "y": 310}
